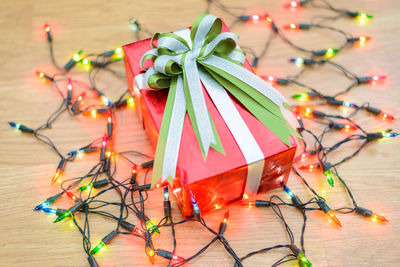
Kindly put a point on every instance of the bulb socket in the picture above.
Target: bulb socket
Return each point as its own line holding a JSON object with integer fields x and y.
{"x": 127, "y": 226}
{"x": 148, "y": 164}
{"x": 167, "y": 209}
{"x": 262, "y": 203}
{"x": 364, "y": 212}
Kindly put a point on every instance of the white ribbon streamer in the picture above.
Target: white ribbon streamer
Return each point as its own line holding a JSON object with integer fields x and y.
{"x": 241, "y": 133}
{"x": 174, "y": 132}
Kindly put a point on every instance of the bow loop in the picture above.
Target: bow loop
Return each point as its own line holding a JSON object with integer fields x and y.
{"x": 205, "y": 28}
{"x": 156, "y": 80}
{"x": 170, "y": 44}
{"x": 224, "y": 43}
{"x": 168, "y": 65}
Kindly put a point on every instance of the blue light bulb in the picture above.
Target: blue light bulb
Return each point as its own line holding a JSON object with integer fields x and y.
{"x": 50, "y": 210}
{"x": 14, "y": 125}
{"x": 288, "y": 191}
{"x": 390, "y": 134}
{"x": 166, "y": 196}
{"x": 42, "y": 205}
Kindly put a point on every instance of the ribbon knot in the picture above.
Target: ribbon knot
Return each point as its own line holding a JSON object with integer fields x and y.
{"x": 211, "y": 59}
{"x": 193, "y": 54}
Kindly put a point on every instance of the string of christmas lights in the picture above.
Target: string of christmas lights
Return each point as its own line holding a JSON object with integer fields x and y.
{"x": 87, "y": 193}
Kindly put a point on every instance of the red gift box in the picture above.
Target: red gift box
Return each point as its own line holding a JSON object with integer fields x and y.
{"x": 220, "y": 179}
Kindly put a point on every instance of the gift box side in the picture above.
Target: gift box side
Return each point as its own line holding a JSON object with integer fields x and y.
{"x": 134, "y": 90}
{"x": 216, "y": 192}
{"x": 132, "y": 70}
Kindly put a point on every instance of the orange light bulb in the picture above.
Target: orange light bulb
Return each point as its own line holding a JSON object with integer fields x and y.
{"x": 150, "y": 254}
{"x": 376, "y": 218}
{"x": 57, "y": 177}
{"x": 334, "y": 218}
{"x": 364, "y": 39}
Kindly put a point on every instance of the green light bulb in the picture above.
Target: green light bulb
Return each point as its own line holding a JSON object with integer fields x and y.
{"x": 330, "y": 52}
{"x": 364, "y": 16}
{"x": 86, "y": 187}
{"x": 297, "y": 96}
{"x": 77, "y": 56}
{"x": 63, "y": 216}
{"x": 303, "y": 260}
{"x": 150, "y": 225}
{"x": 301, "y": 97}
{"x": 97, "y": 248}
{"x": 329, "y": 176}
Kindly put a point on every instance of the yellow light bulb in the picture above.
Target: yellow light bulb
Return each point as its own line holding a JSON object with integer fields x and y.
{"x": 93, "y": 113}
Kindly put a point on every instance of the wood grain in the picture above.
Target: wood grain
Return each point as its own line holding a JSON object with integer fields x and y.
{"x": 26, "y": 166}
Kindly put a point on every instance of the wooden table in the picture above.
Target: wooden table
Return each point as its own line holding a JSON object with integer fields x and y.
{"x": 31, "y": 239}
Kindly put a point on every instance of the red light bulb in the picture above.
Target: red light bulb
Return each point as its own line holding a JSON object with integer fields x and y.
{"x": 349, "y": 127}
{"x": 109, "y": 119}
{"x": 39, "y": 74}
{"x": 384, "y": 116}
{"x": 291, "y": 26}
{"x": 176, "y": 259}
{"x": 269, "y": 78}
{"x": 378, "y": 77}
{"x": 255, "y": 18}
{"x": 292, "y": 5}
{"x": 69, "y": 86}
{"x": 81, "y": 97}
{"x": 226, "y": 217}
{"x": 375, "y": 79}
{"x": 138, "y": 231}
{"x": 104, "y": 143}
{"x": 134, "y": 169}
{"x": 301, "y": 157}
{"x": 309, "y": 167}
{"x": 46, "y": 27}
{"x": 71, "y": 195}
